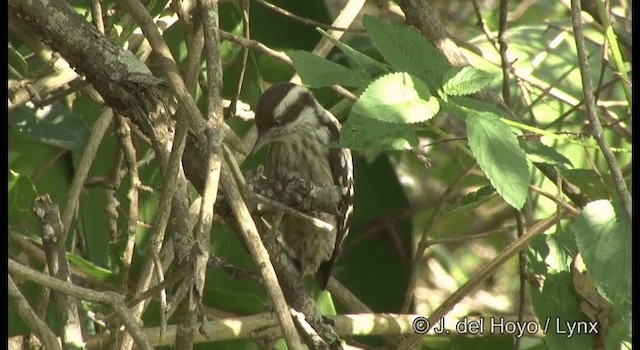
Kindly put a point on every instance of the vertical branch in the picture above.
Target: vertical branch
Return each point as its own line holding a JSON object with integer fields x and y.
{"x": 214, "y": 133}
{"x": 111, "y": 184}
{"x": 195, "y": 43}
{"x": 261, "y": 257}
{"x": 245, "y": 52}
{"x": 96, "y": 15}
{"x": 124, "y": 134}
{"x": 53, "y": 243}
{"x": 506, "y": 65}
{"x": 162, "y": 217}
{"x": 214, "y": 66}
{"x": 596, "y": 127}
{"x": 522, "y": 270}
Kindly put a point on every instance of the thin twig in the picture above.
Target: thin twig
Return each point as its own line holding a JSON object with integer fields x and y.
{"x": 158, "y": 269}
{"x": 278, "y": 55}
{"x": 88, "y": 156}
{"x": 504, "y": 59}
{"x": 256, "y": 45}
{"x": 33, "y": 250}
{"x": 344, "y": 295}
{"x": 42, "y": 87}
{"x": 423, "y": 244}
{"x": 564, "y": 204}
{"x": 217, "y": 262}
{"x": 575, "y": 107}
{"x": 620, "y": 65}
{"x": 74, "y": 86}
{"x": 245, "y": 52}
{"x": 482, "y": 24}
{"x": 594, "y": 166}
{"x": 275, "y": 205}
{"x": 306, "y": 21}
{"x": 478, "y": 277}
{"x": 470, "y": 237}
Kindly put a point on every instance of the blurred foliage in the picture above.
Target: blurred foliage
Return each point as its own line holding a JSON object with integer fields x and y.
{"x": 430, "y": 163}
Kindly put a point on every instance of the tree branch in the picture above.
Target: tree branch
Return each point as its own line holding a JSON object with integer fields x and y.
{"x": 110, "y": 298}
{"x": 38, "y": 326}
{"x": 53, "y": 242}
{"x": 594, "y": 121}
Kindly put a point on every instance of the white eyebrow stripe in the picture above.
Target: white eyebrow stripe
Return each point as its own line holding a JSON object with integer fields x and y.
{"x": 290, "y": 98}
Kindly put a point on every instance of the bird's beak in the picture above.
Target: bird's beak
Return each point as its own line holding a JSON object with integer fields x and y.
{"x": 260, "y": 142}
{"x": 265, "y": 138}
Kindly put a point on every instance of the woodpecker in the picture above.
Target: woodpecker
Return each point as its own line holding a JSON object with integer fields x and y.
{"x": 298, "y": 130}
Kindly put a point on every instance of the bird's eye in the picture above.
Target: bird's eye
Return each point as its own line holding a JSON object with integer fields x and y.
{"x": 276, "y": 122}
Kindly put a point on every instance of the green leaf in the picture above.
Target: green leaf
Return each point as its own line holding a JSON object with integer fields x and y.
{"x": 407, "y": 51}
{"x": 231, "y": 21}
{"x": 474, "y": 199}
{"x": 552, "y": 253}
{"x": 465, "y": 81}
{"x": 93, "y": 270}
{"x": 364, "y": 64}
{"x": 499, "y": 155}
{"x": 459, "y": 103}
{"x": 397, "y": 98}
{"x": 540, "y": 153}
{"x": 363, "y": 133}
{"x": 22, "y": 193}
{"x": 318, "y": 72}
{"x": 13, "y": 156}
{"x": 58, "y": 127}
{"x": 17, "y": 61}
{"x": 555, "y": 304}
{"x": 603, "y": 234}
{"x": 619, "y": 333}
{"x": 593, "y": 185}
{"x": 175, "y": 39}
